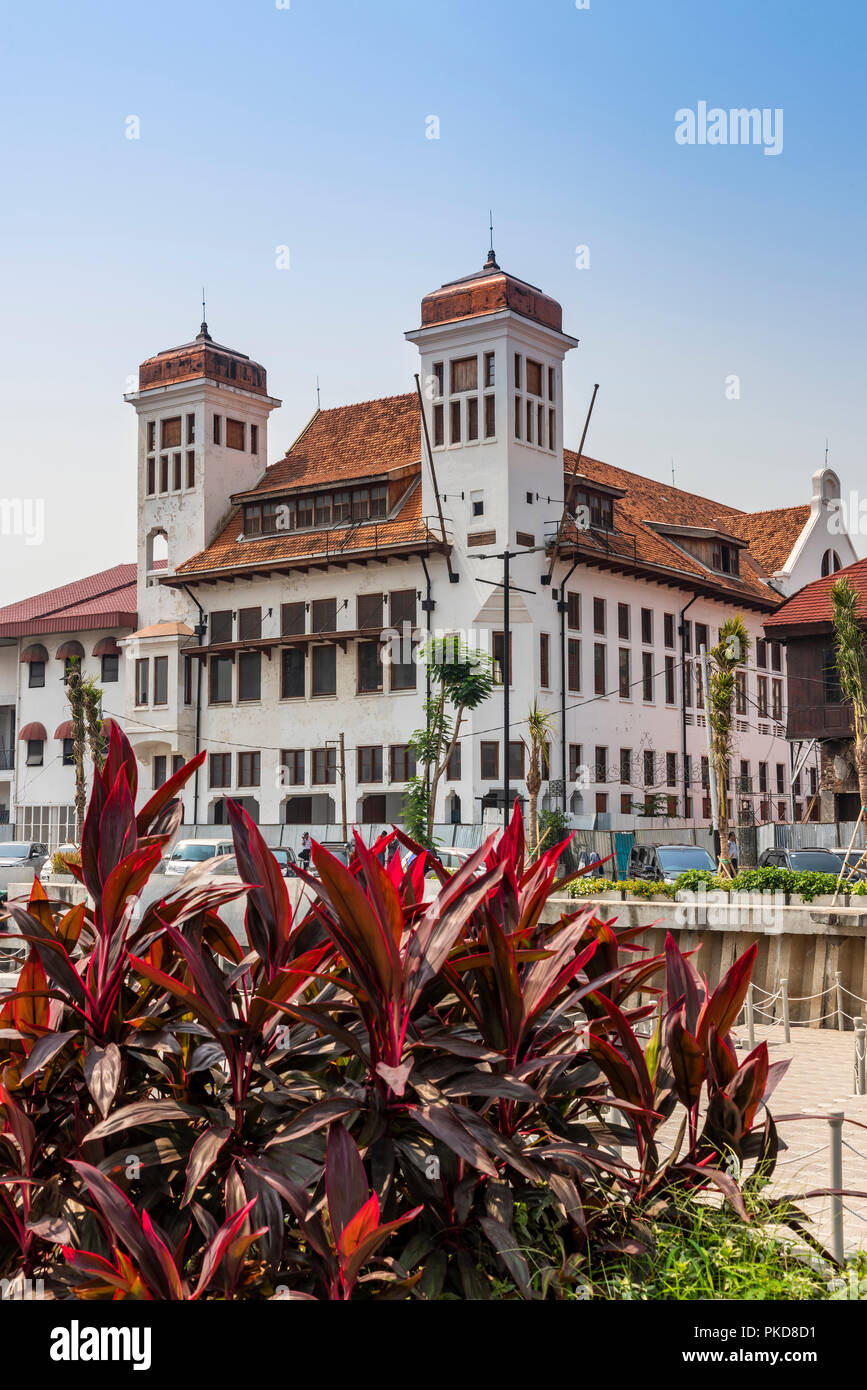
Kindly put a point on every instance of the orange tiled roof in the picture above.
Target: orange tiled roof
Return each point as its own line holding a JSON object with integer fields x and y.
{"x": 812, "y": 604}
{"x": 373, "y": 438}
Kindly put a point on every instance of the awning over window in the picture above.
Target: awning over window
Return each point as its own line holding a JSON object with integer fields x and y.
{"x": 32, "y": 733}
{"x": 106, "y": 646}
{"x": 35, "y": 652}
{"x": 69, "y": 649}
{"x": 64, "y": 730}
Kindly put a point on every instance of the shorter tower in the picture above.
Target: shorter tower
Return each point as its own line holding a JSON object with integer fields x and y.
{"x": 202, "y": 436}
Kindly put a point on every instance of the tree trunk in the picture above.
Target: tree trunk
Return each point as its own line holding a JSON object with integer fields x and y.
{"x": 440, "y": 769}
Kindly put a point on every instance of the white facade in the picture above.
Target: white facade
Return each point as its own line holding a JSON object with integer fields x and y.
{"x": 499, "y": 482}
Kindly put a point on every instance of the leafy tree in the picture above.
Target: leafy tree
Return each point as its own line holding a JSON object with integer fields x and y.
{"x": 851, "y": 654}
{"x": 461, "y": 680}
{"x": 727, "y": 656}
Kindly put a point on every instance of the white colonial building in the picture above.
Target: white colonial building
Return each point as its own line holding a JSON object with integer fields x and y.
{"x": 265, "y": 595}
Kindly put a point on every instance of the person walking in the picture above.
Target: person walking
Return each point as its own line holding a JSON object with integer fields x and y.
{"x": 732, "y": 846}
{"x": 304, "y": 852}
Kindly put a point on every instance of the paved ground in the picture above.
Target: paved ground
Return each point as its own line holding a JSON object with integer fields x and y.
{"x": 820, "y": 1080}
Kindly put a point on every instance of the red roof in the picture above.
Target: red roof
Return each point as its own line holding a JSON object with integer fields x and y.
{"x": 106, "y": 599}
{"x": 812, "y": 604}
{"x": 489, "y": 291}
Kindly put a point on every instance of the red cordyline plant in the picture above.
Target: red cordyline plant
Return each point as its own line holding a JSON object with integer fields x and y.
{"x": 348, "y": 1100}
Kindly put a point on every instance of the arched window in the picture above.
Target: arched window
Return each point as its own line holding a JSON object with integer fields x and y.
{"x": 830, "y": 563}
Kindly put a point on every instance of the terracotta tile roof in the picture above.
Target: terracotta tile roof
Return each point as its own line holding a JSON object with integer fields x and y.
{"x": 375, "y": 437}
{"x": 771, "y": 535}
{"x": 107, "y": 599}
{"x": 350, "y": 441}
{"x": 812, "y": 604}
{"x": 647, "y": 500}
{"x": 487, "y": 292}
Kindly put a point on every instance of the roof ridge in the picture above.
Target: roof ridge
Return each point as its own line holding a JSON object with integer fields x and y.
{"x": 72, "y": 584}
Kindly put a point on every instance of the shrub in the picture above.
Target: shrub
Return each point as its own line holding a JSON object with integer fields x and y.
{"x": 356, "y": 1102}
{"x": 634, "y": 887}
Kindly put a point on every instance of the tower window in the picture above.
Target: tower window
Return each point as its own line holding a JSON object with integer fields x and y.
{"x": 191, "y": 429}
{"x": 490, "y": 360}
{"x": 191, "y": 468}
{"x": 161, "y": 680}
{"x": 517, "y": 371}
{"x": 455, "y": 422}
{"x": 152, "y": 477}
{"x": 218, "y": 429}
{"x": 438, "y": 432}
{"x": 170, "y": 433}
{"x": 477, "y": 503}
{"x": 164, "y": 473}
{"x": 534, "y": 378}
{"x": 473, "y": 418}
{"x": 517, "y": 417}
{"x": 552, "y": 429}
{"x": 464, "y": 374}
{"x": 439, "y": 377}
{"x": 152, "y": 435}
{"x": 529, "y": 421}
{"x": 234, "y": 434}
{"x": 176, "y": 473}
{"x": 490, "y": 417}
{"x": 254, "y": 439}
{"x": 830, "y": 563}
{"x": 551, "y": 376}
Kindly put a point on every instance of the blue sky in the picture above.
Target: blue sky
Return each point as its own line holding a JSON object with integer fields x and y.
{"x": 306, "y": 127}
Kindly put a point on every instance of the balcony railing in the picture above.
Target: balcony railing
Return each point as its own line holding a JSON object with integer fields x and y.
{"x": 7, "y": 759}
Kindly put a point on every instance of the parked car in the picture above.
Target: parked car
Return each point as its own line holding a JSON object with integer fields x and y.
{"x": 186, "y": 853}
{"x": 16, "y": 854}
{"x": 811, "y": 859}
{"x": 665, "y": 862}
{"x": 341, "y": 849}
{"x": 227, "y": 865}
{"x": 47, "y": 868}
{"x": 287, "y": 859}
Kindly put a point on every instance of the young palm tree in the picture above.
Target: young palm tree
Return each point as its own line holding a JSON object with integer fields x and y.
{"x": 730, "y": 653}
{"x": 539, "y": 726}
{"x": 76, "y": 700}
{"x": 92, "y": 696}
{"x": 851, "y": 654}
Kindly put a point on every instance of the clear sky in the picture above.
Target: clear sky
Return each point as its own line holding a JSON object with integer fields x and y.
{"x": 262, "y": 127}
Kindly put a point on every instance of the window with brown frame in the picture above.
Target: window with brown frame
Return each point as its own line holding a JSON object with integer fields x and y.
{"x": 668, "y": 629}
{"x": 574, "y": 761}
{"x": 249, "y": 624}
{"x": 324, "y": 679}
{"x": 218, "y": 429}
{"x": 250, "y": 676}
{"x": 490, "y": 761}
{"x": 490, "y": 416}
{"x": 170, "y": 432}
{"x": 324, "y": 766}
{"x": 369, "y": 610}
{"x": 455, "y": 422}
{"x": 599, "y": 616}
{"x": 401, "y": 762}
{"x": 600, "y": 680}
{"x": 159, "y": 772}
{"x": 544, "y": 660}
{"x": 670, "y": 691}
{"x": 573, "y": 611}
{"x": 573, "y": 664}
{"x": 464, "y": 374}
{"x": 152, "y": 477}
{"x": 234, "y": 434}
{"x": 534, "y": 377}
{"x": 453, "y": 766}
{"x": 293, "y": 670}
{"x": 501, "y": 674}
{"x": 254, "y": 439}
{"x": 472, "y": 418}
{"x": 142, "y": 668}
{"x": 322, "y": 509}
{"x": 438, "y": 427}
{"x": 626, "y": 765}
{"x": 220, "y": 680}
{"x": 188, "y": 680}
{"x": 647, "y": 626}
{"x": 623, "y": 621}
{"x": 516, "y": 761}
{"x": 191, "y": 468}
{"x": 292, "y": 759}
{"x": 762, "y": 684}
{"x": 369, "y": 668}
{"x": 369, "y": 763}
{"x": 624, "y": 672}
{"x": 292, "y": 618}
{"x": 176, "y": 473}
{"x": 161, "y": 680}
{"x": 164, "y": 473}
{"x": 323, "y": 615}
{"x": 221, "y": 626}
{"x": 220, "y": 770}
{"x": 647, "y": 676}
{"x": 249, "y": 769}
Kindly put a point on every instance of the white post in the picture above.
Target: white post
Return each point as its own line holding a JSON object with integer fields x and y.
{"x": 860, "y": 1059}
{"x": 835, "y": 1121}
{"x": 787, "y": 1030}
{"x": 838, "y": 988}
{"x": 711, "y": 770}
{"x": 751, "y": 1022}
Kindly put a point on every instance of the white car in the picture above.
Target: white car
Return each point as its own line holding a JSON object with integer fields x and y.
{"x": 186, "y": 853}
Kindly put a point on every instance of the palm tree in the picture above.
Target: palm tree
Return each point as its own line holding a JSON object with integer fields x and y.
{"x": 539, "y": 726}
{"x": 851, "y": 655}
{"x": 76, "y": 699}
{"x": 730, "y": 653}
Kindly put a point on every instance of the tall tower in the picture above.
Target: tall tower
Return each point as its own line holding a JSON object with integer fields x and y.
{"x": 202, "y": 435}
{"x": 492, "y": 350}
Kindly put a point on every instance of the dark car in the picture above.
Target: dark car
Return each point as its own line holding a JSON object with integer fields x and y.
{"x": 813, "y": 859}
{"x": 15, "y": 854}
{"x": 664, "y": 862}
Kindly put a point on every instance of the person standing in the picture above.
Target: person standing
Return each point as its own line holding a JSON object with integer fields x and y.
{"x": 732, "y": 846}
{"x": 304, "y": 852}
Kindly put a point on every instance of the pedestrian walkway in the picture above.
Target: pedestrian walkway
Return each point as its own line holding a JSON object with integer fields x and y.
{"x": 820, "y": 1080}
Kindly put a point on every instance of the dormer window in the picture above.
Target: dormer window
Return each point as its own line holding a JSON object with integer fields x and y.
{"x": 725, "y": 558}
{"x": 601, "y": 508}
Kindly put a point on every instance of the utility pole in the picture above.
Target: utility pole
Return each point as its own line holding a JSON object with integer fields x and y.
{"x": 711, "y": 770}
{"x": 343, "y": 783}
